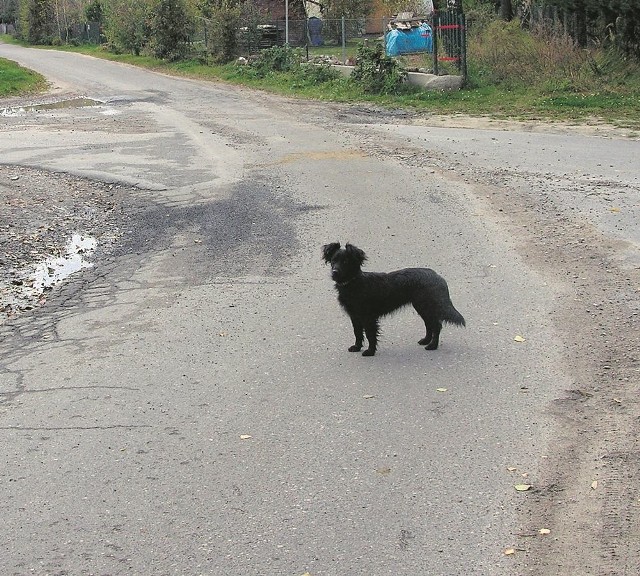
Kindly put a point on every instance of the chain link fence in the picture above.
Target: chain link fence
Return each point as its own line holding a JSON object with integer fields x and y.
{"x": 444, "y": 52}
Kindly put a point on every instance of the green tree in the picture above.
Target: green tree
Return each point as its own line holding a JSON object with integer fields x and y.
{"x": 127, "y": 26}
{"x": 224, "y": 19}
{"x": 615, "y": 22}
{"x": 8, "y": 10}
{"x": 171, "y": 25}
{"x": 37, "y": 21}
{"x": 93, "y": 11}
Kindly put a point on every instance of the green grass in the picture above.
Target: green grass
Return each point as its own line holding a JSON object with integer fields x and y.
{"x": 15, "y": 80}
{"x": 602, "y": 88}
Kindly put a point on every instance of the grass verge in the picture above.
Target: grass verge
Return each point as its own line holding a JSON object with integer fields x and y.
{"x": 16, "y": 80}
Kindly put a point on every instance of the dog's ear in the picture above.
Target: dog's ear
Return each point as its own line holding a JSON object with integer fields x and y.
{"x": 353, "y": 252}
{"x": 328, "y": 250}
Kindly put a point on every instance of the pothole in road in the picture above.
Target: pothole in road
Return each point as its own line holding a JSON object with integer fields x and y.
{"x": 59, "y": 105}
{"x": 26, "y": 292}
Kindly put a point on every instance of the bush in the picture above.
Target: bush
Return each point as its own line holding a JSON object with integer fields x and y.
{"x": 377, "y": 73}
{"x": 275, "y": 59}
{"x": 37, "y": 18}
{"x": 127, "y": 26}
{"x": 223, "y": 22}
{"x": 504, "y": 54}
{"x": 170, "y": 28}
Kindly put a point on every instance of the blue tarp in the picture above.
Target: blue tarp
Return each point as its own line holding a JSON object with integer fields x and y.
{"x": 407, "y": 41}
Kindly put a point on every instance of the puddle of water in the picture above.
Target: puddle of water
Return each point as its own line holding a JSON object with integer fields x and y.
{"x": 29, "y": 291}
{"x": 54, "y": 270}
{"x": 72, "y": 103}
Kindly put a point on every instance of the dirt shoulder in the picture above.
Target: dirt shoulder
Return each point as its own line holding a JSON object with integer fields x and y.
{"x": 587, "y": 492}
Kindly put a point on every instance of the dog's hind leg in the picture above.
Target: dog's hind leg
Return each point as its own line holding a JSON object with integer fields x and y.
{"x": 432, "y": 325}
{"x": 428, "y": 337}
{"x": 371, "y": 329}
{"x": 358, "y": 330}
{"x": 433, "y": 329}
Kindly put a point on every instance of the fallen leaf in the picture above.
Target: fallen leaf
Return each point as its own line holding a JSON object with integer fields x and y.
{"x": 509, "y": 551}
{"x": 544, "y": 531}
{"x": 519, "y": 338}
{"x": 511, "y": 469}
{"x": 522, "y": 487}
{"x": 245, "y": 436}
{"x": 614, "y": 209}
{"x": 384, "y": 471}
{"x": 594, "y": 485}
{"x": 441, "y": 389}
{"x": 368, "y": 396}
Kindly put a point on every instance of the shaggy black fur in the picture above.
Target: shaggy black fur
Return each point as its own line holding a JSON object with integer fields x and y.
{"x": 367, "y": 296}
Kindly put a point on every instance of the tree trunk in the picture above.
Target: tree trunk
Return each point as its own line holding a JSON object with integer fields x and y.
{"x": 506, "y": 10}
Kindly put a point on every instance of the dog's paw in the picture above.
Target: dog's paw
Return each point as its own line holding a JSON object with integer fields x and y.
{"x": 355, "y": 348}
{"x": 431, "y": 346}
{"x": 424, "y": 341}
{"x": 368, "y": 352}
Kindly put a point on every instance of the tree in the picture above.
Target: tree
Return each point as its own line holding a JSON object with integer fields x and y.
{"x": 170, "y": 28}
{"x": 8, "y": 10}
{"x": 37, "y": 19}
{"x": 225, "y": 18}
{"x": 609, "y": 22}
{"x": 93, "y": 11}
{"x": 506, "y": 10}
{"x": 127, "y": 24}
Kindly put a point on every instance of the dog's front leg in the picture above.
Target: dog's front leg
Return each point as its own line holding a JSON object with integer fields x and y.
{"x": 371, "y": 330}
{"x": 358, "y": 330}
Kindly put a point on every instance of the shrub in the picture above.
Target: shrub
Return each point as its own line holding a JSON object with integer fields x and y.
{"x": 504, "y": 54}
{"x": 275, "y": 59}
{"x": 127, "y": 26}
{"x": 223, "y": 22}
{"x": 170, "y": 27}
{"x": 377, "y": 73}
{"x": 37, "y": 21}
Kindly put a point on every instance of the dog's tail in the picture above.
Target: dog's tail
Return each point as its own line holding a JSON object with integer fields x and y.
{"x": 451, "y": 315}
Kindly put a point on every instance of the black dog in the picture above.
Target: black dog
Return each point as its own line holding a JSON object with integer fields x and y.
{"x": 367, "y": 296}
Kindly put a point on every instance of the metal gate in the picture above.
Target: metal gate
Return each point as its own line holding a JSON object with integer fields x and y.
{"x": 449, "y": 42}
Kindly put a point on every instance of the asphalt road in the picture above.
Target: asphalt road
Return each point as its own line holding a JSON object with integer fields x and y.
{"x": 190, "y": 406}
